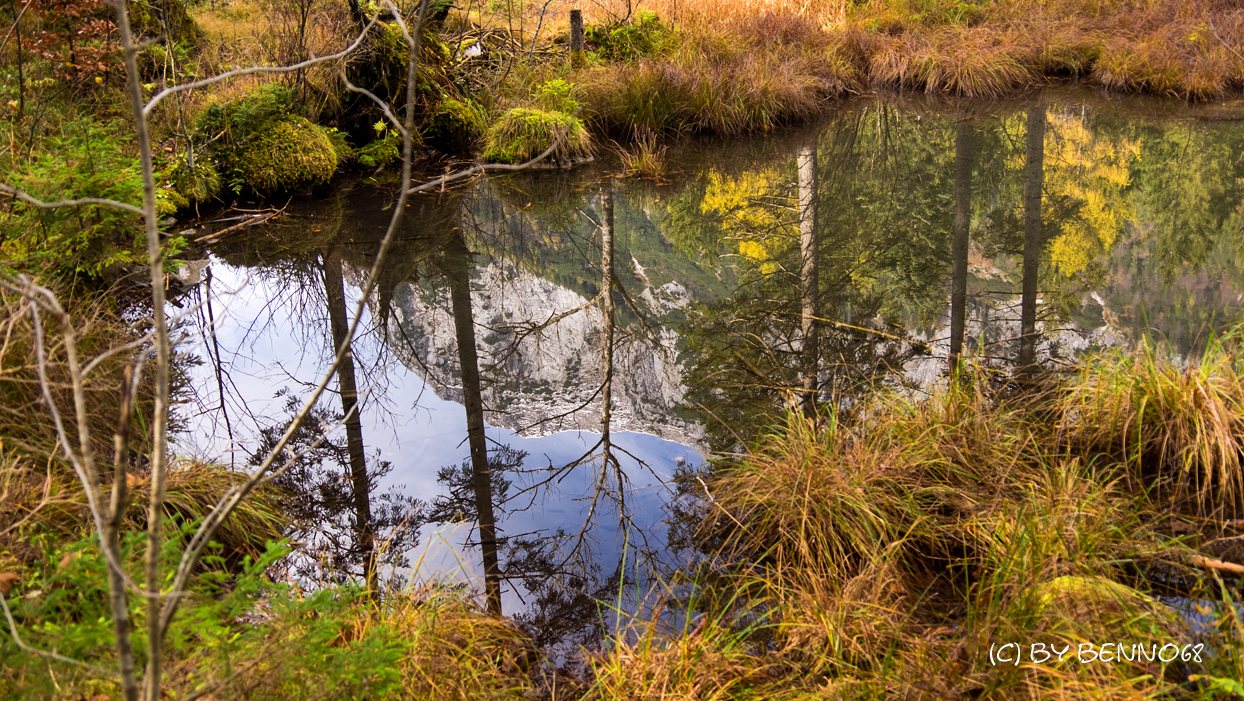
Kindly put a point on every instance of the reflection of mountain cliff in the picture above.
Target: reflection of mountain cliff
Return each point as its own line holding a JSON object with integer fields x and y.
{"x": 541, "y": 382}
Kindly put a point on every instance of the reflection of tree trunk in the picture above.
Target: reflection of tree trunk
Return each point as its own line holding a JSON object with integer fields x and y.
{"x": 606, "y": 265}
{"x": 458, "y": 268}
{"x": 334, "y": 289}
{"x": 1034, "y": 176}
{"x": 959, "y": 245}
{"x": 809, "y": 287}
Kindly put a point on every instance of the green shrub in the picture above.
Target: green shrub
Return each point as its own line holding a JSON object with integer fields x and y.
{"x": 88, "y": 159}
{"x": 646, "y": 35}
{"x": 290, "y": 154}
{"x": 522, "y": 134}
{"x": 381, "y": 151}
{"x": 456, "y": 126}
{"x": 558, "y": 96}
{"x": 341, "y": 147}
{"x": 257, "y": 143}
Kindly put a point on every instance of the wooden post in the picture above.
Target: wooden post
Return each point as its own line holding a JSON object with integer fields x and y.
{"x": 577, "y": 58}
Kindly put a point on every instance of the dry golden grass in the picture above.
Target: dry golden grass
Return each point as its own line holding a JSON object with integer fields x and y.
{"x": 1179, "y": 429}
{"x": 710, "y": 13}
{"x": 898, "y": 550}
{"x": 1162, "y": 46}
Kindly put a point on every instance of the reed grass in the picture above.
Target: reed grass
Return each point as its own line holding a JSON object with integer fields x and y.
{"x": 898, "y": 549}
{"x": 972, "y": 49}
{"x": 646, "y": 158}
{"x": 724, "y": 84}
{"x": 1178, "y": 430}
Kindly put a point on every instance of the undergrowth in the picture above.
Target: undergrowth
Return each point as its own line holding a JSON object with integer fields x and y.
{"x": 889, "y": 556}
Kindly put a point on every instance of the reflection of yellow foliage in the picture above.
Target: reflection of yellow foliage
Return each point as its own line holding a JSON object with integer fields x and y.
{"x": 754, "y": 250}
{"x": 1094, "y": 171}
{"x": 749, "y": 213}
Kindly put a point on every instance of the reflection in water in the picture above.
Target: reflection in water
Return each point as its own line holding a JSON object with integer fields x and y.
{"x": 960, "y": 239}
{"x": 1034, "y": 179}
{"x": 457, "y": 270}
{"x": 334, "y": 289}
{"x": 809, "y": 281}
{"x": 803, "y": 269}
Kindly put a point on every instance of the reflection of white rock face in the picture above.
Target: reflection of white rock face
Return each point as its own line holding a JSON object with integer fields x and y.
{"x": 997, "y": 324}
{"x": 542, "y": 381}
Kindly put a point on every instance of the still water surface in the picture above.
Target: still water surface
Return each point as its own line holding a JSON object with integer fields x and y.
{"x": 759, "y": 274}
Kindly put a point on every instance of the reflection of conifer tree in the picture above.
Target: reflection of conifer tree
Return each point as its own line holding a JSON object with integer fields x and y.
{"x": 460, "y": 504}
{"x": 338, "y": 320}
{"x": 959, "y": 245}
{"x": 319, "y": 503}
{"x": 563, "y": 609}
{"x": 1033, "y": 183}
{"x": 809, "y": 282}
{"x": 457, "y": 268}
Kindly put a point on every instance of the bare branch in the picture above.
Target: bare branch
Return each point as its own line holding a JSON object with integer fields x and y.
{"x": 155, "y": 99}
{"x": 384, "y": 106}
{"x": 23, "y": 196}
{"x": 13, "y": 26}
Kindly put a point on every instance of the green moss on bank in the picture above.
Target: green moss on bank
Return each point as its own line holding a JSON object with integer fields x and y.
{"x": 522, "y": 134}
{"x": 292, "y": 153}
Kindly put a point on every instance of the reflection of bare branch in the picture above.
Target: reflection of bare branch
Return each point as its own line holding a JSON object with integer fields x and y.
{"x": 529, "y": 328}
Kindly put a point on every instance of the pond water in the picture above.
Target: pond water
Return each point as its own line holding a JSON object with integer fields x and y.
{"x": 759, "y": 274}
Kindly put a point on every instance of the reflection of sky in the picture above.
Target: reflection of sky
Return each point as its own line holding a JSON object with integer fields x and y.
{"x": 268, "y": 345}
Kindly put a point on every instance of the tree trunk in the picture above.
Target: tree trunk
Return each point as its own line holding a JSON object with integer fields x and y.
{"x": 334, "y": 289}
{"x": 112, "y": 543}
{"x": 809, "y": 282}
{"x": 577, "y": 58}
{"x": 1034, "y": 179}
{"x": 458, "y": 267}
{"x": 959, "y": 244}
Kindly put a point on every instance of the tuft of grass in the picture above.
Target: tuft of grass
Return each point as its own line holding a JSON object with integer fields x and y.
{"x": 965, "y": 63}
{"x": 721, "y": 84}
{"x": 898, "y": 549}
{"x": 1180, "y": 429}
{"x": 646, "y": 158}
{"x": 522, "y": 134}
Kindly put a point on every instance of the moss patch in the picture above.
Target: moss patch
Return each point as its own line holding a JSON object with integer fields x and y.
{"x": 457, "y": 126}
{"x": 522, "y": 134}
{"x": 379, "y": 152}
{"x": 291, "y": 154}
{"x": 257, "y": 143}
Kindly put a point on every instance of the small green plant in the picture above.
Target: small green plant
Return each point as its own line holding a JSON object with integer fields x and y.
{"x": 199, "y": 183}
{"x": 557, "y": 95}
{"x": 642, "y": 37}
{"x": 522, "y": 134}
{"x": 381, "y": 151}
